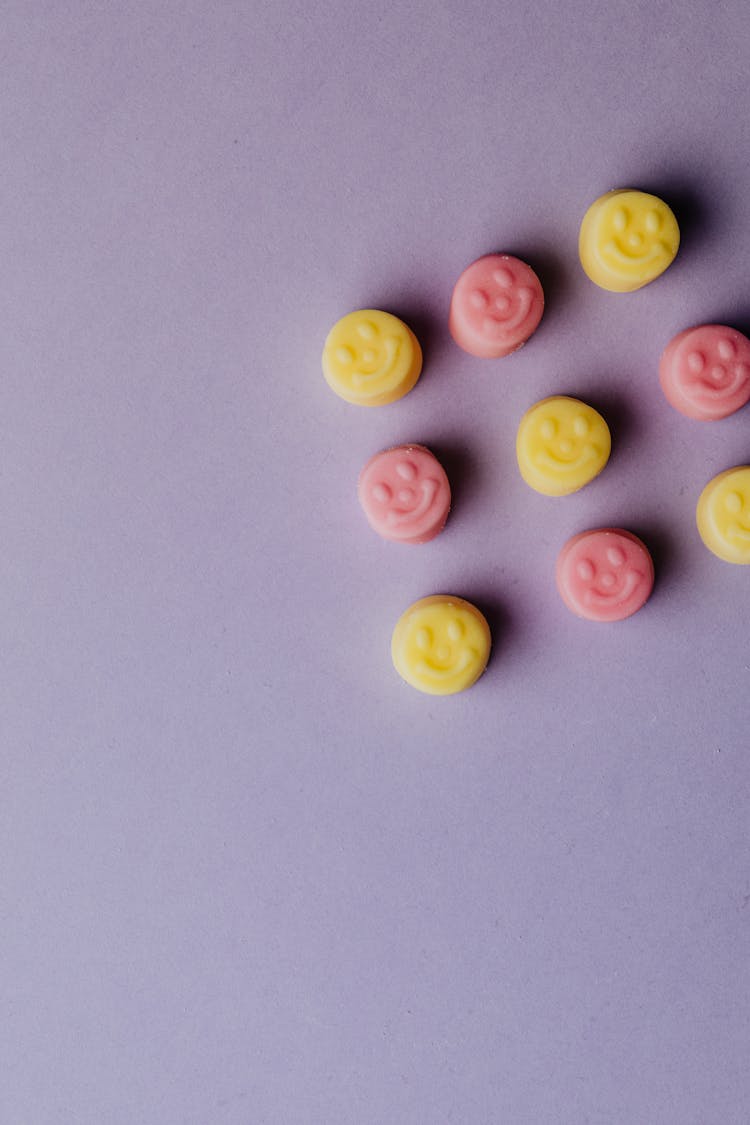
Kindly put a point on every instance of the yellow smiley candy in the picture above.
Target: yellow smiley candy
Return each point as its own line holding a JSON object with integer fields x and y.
{"x": 441, "y": 645}
{"x": 561, "y": 445}
{"x": 628, "y": 238}
{"x": 371, "y": 358}
{"x": 723, "y": 515}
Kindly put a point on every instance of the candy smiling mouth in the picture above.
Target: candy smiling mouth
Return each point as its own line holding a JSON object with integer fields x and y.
{"x": 738, "y": 531}
{"x": 614, "y": 250}
{"x": 496, "y": 324}
{"x": 559, "y": 465}
{"x": 606, "y": 601}
{"x": 400, "y": 516}
{"x": 391, "y": 345}
{"x": 425, "y": 668}
{"x": 711, "y": 391}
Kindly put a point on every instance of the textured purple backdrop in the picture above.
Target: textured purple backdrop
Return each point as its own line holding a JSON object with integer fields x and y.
{"x": 248, "y": 876}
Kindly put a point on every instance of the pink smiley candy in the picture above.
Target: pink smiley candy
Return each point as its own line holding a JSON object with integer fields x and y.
{"x": 705, "y": 372}
{"x": 605, "y": 575}
{"x": 496, "y": 305}
{"x": 405, "y": 494}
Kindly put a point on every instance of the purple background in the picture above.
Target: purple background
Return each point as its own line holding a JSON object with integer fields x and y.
{"x": 248, "y": 876}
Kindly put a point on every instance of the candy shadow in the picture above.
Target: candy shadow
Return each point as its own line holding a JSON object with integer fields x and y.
{"x": 462, "y": 466}
{"x": 740, "y": 321}
{"x": 430, "y": 330}
{"x": 498, "y": 618}
{"x": 619, "y": 415}
{"x": 552, "y": 272}
{"x": 691, "y": 211}
{"x": 662, "y": 546}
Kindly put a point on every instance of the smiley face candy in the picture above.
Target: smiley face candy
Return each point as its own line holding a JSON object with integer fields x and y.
{"x": 723, "y": 515}
{"x": 405, "y": 494}
{"x": 496, "y": 305}
{"x": 561, "y": 445}
{"x": 441, "y": 645}
{"x": 371, "y": 358}
{"x": 605, "y": 575}
{"x": 627, "y": 239}
{"x": 705, "y": 372}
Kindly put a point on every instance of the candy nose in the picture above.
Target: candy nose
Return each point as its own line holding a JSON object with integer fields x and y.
{"x": 566, "y": 446}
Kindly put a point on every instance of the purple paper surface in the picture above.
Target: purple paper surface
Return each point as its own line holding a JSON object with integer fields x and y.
{"x": 248, "y": 875}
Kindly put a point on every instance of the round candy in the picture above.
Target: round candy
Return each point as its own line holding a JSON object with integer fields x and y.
{"x": 371, "y": 358}
{"x": 561, "y": 445}
{"x": 723, "y": 515}
{"x": 628, "y": 238}
{"x": 605, "y": 575}
{"x": 405, "y": 494}
{"x": 705, "y": 372}
{"x": 496, "y": 305}
{"x": 441, "y": 645}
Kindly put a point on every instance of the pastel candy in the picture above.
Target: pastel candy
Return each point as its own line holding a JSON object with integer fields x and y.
{"x": 627, "y": 239}
{"x": 496, "y": 305}
{"x": 605, "y": 575}
{"x": 562, "y": 444}
{"x": 441, "y": 645}
{"x": 371, "y": 358}
{"x": 705, "y": 372}
{"x": 723, "y": 515}
{"x": 405, "y": 494}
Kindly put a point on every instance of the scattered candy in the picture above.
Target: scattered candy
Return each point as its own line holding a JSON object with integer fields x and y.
{"x": 441, "y": 645}
{"x": 496, "y": 305}
{"x": 705, "y": 372}
{"x": 605, "y": 575}
{"x": 405, "y": 494}
{"x": 562, "y": 444}
{"x": 371, "y": 358}
{"x": 723, "y": 515}
{"x": 628, "y": 238}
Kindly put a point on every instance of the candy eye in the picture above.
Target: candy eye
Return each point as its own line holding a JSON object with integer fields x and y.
{"x": 581, "y": 426}
{"x": 616, "y": 556}
{"x": 479, "y": 299}
{"x": 548, "y": 429}
{"x": 424, "y": 638}
{"x": 620, "y": 219}
{"x": 733, "y": 502}
{"x": 726, "y": 348}
{"x": 367, "y": 330}
{"x": 585, "y": 570}
{"x": 382, "y": 493}
{"x": 653, "y": 222}
{"x": 503, "y": 277}
{"x": 696, "y": 361}
{"x": 344, "y": 355}
{"x": 455, "y": 629}
{"x": 406, "y": 470}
